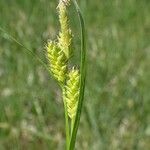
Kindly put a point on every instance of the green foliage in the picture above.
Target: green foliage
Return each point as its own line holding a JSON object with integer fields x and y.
{"x": 116, "y": 109}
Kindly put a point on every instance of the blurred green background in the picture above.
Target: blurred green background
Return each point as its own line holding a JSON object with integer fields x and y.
{"x": 116, "y": 112}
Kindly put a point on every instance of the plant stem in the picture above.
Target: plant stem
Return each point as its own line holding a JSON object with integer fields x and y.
{"x": 72, "y": 124}
{"x": 66, "y": 122}
{"x": 82, "y": 78}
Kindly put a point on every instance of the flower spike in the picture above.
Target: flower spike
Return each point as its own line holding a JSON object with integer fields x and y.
{"x": 57, "y": 61}
{"x": 65, "y": 35}
{"x": 72, "y": 92}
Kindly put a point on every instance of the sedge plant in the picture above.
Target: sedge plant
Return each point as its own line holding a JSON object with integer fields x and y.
{"x": 71, "y": 80}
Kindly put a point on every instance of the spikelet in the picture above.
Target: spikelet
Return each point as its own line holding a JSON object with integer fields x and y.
{"x": 65, "y": 35}
{"x": 67, "y": 2}
{"x": 57, "y": 61}
{"x": 72, "y": 92}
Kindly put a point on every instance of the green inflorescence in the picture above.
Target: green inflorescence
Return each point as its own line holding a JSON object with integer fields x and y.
{"x": 57, "y": 61}
{"x": 72, "y": 92}
{"x": 58, "y": 54}
{"x": 65, "y": 35}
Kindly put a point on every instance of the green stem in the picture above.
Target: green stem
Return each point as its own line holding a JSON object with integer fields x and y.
{"x": 82, "y": 78}
{"x": 66, "y": 122}
{"x": 72, "y": 124}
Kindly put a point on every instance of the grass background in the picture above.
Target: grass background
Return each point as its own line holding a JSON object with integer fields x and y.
{"x": 116, "y": 113}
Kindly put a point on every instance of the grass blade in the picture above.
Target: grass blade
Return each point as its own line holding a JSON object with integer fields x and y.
{"x": 27, "y": 49}
{"x": 82, "y": 78}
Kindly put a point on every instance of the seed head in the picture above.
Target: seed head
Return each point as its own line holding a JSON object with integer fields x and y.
{"x": 57, "y": 61}
{"x": 72, "y": 92}
{"x": 65, "y": 35}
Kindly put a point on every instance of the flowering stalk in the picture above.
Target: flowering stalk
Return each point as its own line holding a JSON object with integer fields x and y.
{"x": 72, "y": 92}
{"x": 70, "y": 81}
{"x": 65, "y": 35}
{"x": 57, "y": 61}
